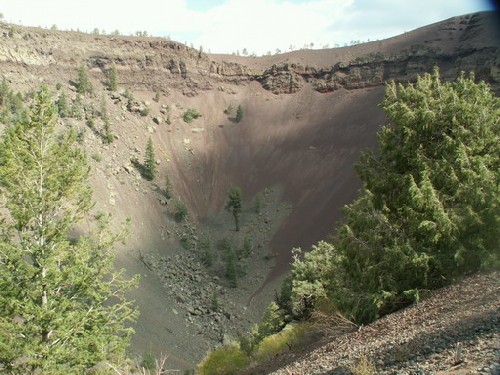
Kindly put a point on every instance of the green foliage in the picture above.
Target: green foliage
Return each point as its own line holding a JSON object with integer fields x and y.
{"x": 90, "y": 123}
{"x": 190, "y": 115}
{"x": 144, "y": 111}
{"x": 148, "y": 361}
{"x": 58, "y": 86}
{"x": 83, "y": 84}
{"x": 108, "y": 136}
{"x": 96, "y": 156}
{"x": 272, "y": 322}
{"x": 214, "y": 302}
{"x": 168, "y": 187}
{"x": 206, "y": 248}
{"x": 62, "y": 106}
{"x": 231, "y": 272}
{"x": 157, "y": 97}
{"x": 53, "y": 318}
{"x": 246, "y": 248}
{"x": 11, "y": 104}
{"x": 112, "y": 79}
{"x": 257, "y": 206}
{"x": 226, "y": 360}
{"x": 127, "y": 94}
{"x": 280, "y": 342}
{"x": 149, "y": 161}
{"x": 77, "y": 108}
{"x": 312, "y": 276}
{"x": 180, "y": 211}
{"x": 239, "y": 113}
{"x": 430, "y": 208}
{"x": 234, "y": 204}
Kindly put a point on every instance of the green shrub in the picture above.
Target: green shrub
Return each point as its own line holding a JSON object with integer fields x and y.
{"x": 180, "y": 211}
{"x": 246, "y": 249}
{"x": 190, "y": 115}
{"x": 226, "y": 360}
{"x": 207, "y": 251}
{"x": 148, "y": 361}
{"x": 62, "y": 106}
{"x": 144, "y": 111}
{"x": 280, "y": 342}
{"x": 127, "y": 94}
{"x": 97, "y": 157}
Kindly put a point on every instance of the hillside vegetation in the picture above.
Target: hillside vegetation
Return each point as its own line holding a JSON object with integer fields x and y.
{"x": 222, "y": 164}
{"x": 428, "y": 214}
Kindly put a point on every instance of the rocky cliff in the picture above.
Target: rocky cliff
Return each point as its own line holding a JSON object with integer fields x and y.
{"x": 467, "y": 43}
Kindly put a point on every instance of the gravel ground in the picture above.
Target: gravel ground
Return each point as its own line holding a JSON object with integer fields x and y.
{"x": 454, "y": 331}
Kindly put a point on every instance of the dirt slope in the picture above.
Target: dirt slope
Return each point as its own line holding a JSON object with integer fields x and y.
{"x": 308, "y": 115}
{"x": 454, "y": 331}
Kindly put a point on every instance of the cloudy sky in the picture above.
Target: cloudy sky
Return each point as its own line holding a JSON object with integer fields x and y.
{"x": 259, "y": 26}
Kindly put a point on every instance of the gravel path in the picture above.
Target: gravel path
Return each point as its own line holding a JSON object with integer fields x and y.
{"x": 455, "y": 331}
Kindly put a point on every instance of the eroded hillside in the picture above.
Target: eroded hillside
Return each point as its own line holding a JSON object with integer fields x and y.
{"x": 308, "y": 115}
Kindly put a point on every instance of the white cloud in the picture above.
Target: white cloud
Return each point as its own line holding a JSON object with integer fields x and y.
{"x": 257, "y": 25}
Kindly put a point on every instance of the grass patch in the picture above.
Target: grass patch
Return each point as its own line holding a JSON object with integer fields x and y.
{"x": 289, "y": 338}
{"x": 226, "y": 360}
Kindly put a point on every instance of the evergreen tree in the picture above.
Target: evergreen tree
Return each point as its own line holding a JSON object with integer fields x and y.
{"x": 83, "y": 85}
{"x": 181, "y": 211}
{"x": 62, "y": 307}
{"x": 233, "y": 204}
{"x": 430, "y": 208}
{"x": 239, "y": 113}
{"x": 76, "y": 107}
{"x": 108, "y": 136}
{"x": 149, "y": 161}
{"x": 168, "y": 187}
{"x": 112, "y": 79}
{"x": 62, "y": 106}
{"x": 231, "y": 272}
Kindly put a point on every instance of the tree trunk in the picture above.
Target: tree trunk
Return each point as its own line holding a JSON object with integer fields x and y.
{"x": 237, "y": 229}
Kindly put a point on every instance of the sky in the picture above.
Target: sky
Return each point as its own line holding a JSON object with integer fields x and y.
{"x": 228, "y": 26}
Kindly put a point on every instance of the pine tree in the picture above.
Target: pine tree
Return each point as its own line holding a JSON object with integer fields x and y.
{"x": 62, "y": 106}
{"x": 62, "y": 307}
{"x": 149, "y": 161}
{"x": 430, "y": 208}
{"x": 83, "y": 85}
{"x": 233, "y": 204}
{"x": 108, "y": 136}
{"x": 231, "y": 273}
{"x": 239, "y": 113}
{"x": 113, "y": 78}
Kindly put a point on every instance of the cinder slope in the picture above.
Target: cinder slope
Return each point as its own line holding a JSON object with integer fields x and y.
{"x": 302, "y": 141}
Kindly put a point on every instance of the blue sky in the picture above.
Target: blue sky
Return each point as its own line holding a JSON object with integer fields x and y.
{"x": 226, "y": 26}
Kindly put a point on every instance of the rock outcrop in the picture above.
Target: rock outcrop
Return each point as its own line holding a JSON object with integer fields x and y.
{"x": 469, "y": 52}
{"x": 458, "y": 44}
